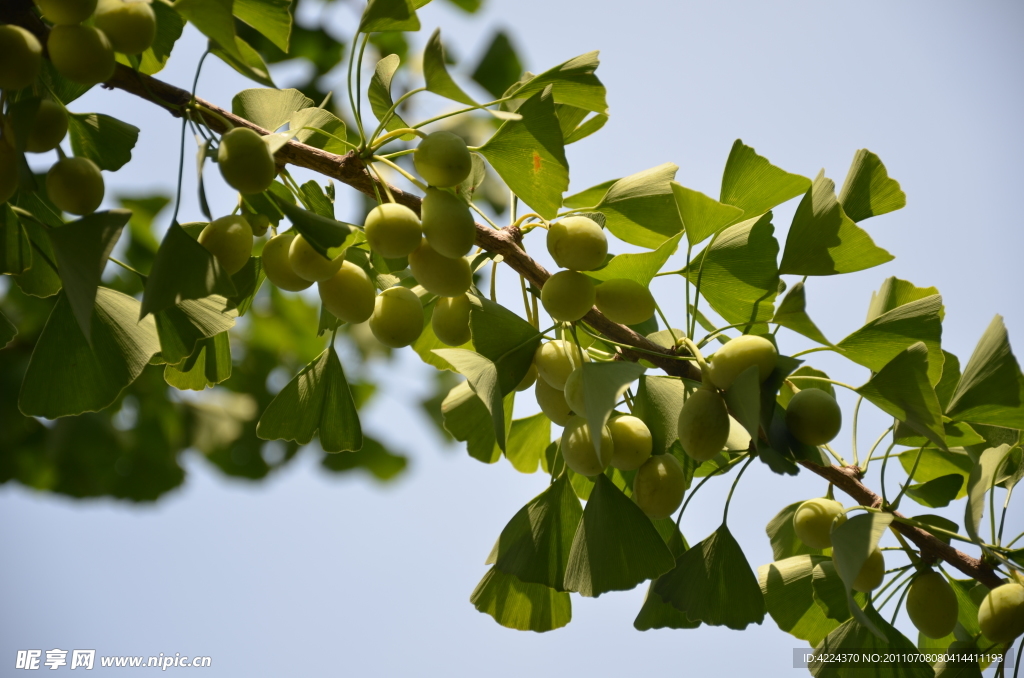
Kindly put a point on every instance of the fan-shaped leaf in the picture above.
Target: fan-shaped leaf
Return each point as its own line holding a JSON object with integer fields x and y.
{"x": 789, "y": 598}
{"x": 105, "y": 140}
{"x": 527, "y": 440}
{"x": 702, "y": 216}
{"x": 183, "y": 269}
{"x": 389, "y": 15}
{"x": 209, "y": 365}
{"x": 792, "y": 314}
{"x": 991, "y": 390}
{"x": 518, "y": 605}
{"x": 868, "y": 191}
{"x": 852, "y": 542}
{"x": 641, "y": 208}
{"x": 755, "y": 185}
{"x": 641, "y": 267}
{"x": 902, "y": 389}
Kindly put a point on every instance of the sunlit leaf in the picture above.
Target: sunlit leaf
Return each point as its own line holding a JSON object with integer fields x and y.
{"x": 852, "y": 543}
{"x": 789, "y": 598}
{"x": 527, "y": 440}
{"x": 518, "y": 605}
{"x": 209, "y": 365}
{"x": 435, "y": 72}
{"x": 702, "y": 216}
{"x": 792, "y": 314}
{"x": 991, "y": 390}
{"x": 902, "y": 389}
{"x": 105, "y": 140}
{"x": 754, "y": 185}
{"x": 868, "y": 191}
{"x": 641, "y": 208}
{"x": 573, "y": 82}
{"x": 640, "y": 267}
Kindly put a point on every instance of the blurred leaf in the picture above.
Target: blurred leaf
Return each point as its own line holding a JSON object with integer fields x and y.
{"x": 209, "y": 365}
{"x": 641, "y": 267}
{"x": 868, "y": 191}
{"x": 504, "y": 338}
{"x": 792, "y": 314}
{"x": 270, "y": 17}
{"x": 248, "y": 61}
{"x": 852, "y": 542}
{"x": 183, "y": 269}
{"x": 499, "y": 68}
{"x": 702, "y": 216}
{"x": 979, "y": 484}
{"x": 389, "y": 15}
{"x": 15, "y": 247}
{"x": 372, "y": 457}
{"x": 573, "y": 82}
{"x": 517, "y": 605}
{"x": 785, "y": 543}
{"x": 754, "y": 185}
{"x": 379, "y": 94}
{"x": 938, "y": 492}
{"x": 7, "y": 331}
{"x": 435, "y": 72}
{"x": 527, "y": 440}
{"x": 991, "y": 390}
{"x": 641, "y": 208}
{"x": 181, "y": 327}
{"x": 105, "y": 140}
{"x": 901, "y": 389}
{"x": 869, "y": 633}
{"x": 789, "y": 598}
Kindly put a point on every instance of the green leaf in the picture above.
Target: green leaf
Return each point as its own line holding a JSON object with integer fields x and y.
{"x": 15, "y": 246}
{"x": 792, "y": 314}
{"x": 270, "y": 17}
{"x": 435, "y": 72}
{"x": 868, "y": 191}
{"x": 740, "y": 277}
{"x": 869, "y": 633}
{"x": 937, "y": 492}
{"x": 499, "y": 68}
{"x": 979, "y": 484}
{"x": 517, "y": 605}
{"x": 535, "y": 545}
{"x": 527, "y": 440}
{"x": 852, "y": 542}
{"x": 482, "y": 376}
{"x": 589, "y": 197}
{"x": 754, "y": 185}
{"x": 379, "y": 93}
{"x": 67, "y": 376}
{"x": 468, "y": 420}
{"x": 789, "y": 597}
{"x": 41, "y": 279}
{"x": 183, "y": 269}
{"x": 572, "y": 82}
{"x": 658, "y": 402}
{"x": 886, "y": 336}
{"x": 991, "y": 390}
{"x": 269, "y": 108}
{"x": 209, "y": 365}
{"x": 901, "y": 389}
{"x": 830, "y": 592}
{"x": 504, "y": 338}
{"x": 214, "y": 19}
{"x": 958, "y": 434}
{"x": 428, "y": 341}
{"x": 105, "y": 140}
{"x": 318, "y": 398}
{"x": 713, "y": 583}
{"x": 82, "y": 248}
{"x": 937, "y": 463}
{"x": 529, "y": 155}
{"x": 604, "y": 384}
{"x": 824, "y": 241}
{"x": 7, "y": 331}
{"x": 616, "y": 546}
{"x": 702, "y": 216}
{"x": 950, "y": 378}
{"x": 641, "y": 208}
{"x": 327, "y": 236}
{"x": 798, "y": 378}
{"x": 785, "y": 543}
{"x": 744, "y": 400}
{"x": 657, "y": 613}
{"x": 389, "y": 15}
{"x": 895, "y": 293}
{"x": 641, "y": 267}
{"x": 589, "y": 126}
{"x": 181, "y": 327}
{"x": 169, "y": 26}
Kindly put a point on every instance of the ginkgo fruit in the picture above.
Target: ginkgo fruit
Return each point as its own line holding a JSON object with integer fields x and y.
{"x": 567, "y": 296}
{"x": 450, "y": 320}
{"x": 578, "y": 448}
{"x": 48, "y": 128}
{"x": 528, "y": 379}
{"x": 129, "y": 24}
{"x": 1001, "y": 613}
{"x": 932, "y": 605}
{"x": 555, "y": 361}
{"x": 82, "y": 54}
{"x": 813, "y": 416}
{"x": 245, "y": 161}
{"x": 738, "y": 355}
{"x": 259, "y": 224}
{"x": 703, "y": 424}
{"x": 392, "y": 230}
{"x": 448, "y": 225}
{"x": 438, "y": 274}
{"x": 21, "y": 57}
{"x": 397, "y": 318}
{"x": 8, "y": 171}
{"x": 75, "y": 185}
{"x": 443, "y": 159}
{"x": 813, "y": 519}
{"x": 230, "y": 240}
{"x": 309, "y": 264}
{"x": 349, "y": 294}
{"x": 659, "y": 486}
{"x": 871, "y": 572}
{"x": 577, "y": 243}
{"x": 66, "y": 12}
{"x": 552, "y": 403}
{"x": 624, "y": 301}
{"x": 633, "y": 442}
{"x": 278, "y": 268}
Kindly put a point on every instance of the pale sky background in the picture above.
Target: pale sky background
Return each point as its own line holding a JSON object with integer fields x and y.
{"x": 306, "y": 574}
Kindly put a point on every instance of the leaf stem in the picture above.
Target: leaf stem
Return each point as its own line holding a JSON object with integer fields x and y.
{"x": 469, "y": 109}
{"x": 128, "y": 268}
{"x": 812, "y": 350}
{"x": 391, "y": 111}
{"x": 910, "y": 478}
{"x": 416, "y": 182}
{"x": 875, "y": 446}
{"x": 721, "y": 469}
{"x": 728, "y": 500}
{"x": 394, "y": 134}
{"x": 856, "y": 414}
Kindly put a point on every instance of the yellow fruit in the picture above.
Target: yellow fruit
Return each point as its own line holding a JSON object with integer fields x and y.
{"x": 733, "y": 358}
{"x": 577, "y": 243}
{"x": 555, "y": 361}
{"x": 813, "y": 416}
{"x": 397, "y": 318}
{"x": 82, "y": 54}
{"x": 932, "y": 605}
{"x": 21, "y": 57}
{"x": 349, "y": 294}
{"x": 574, "y": 392}
{"x": 48, "y": 128}
{"x": 871, "y": 572}
{"x": 578, "y": 448}
{"x": 1001, "y": 613}
{"x": 443, "y": 159}
{"x": 624, "y": 301}
{"x": 448, "y": 224}
{"x": 63, "y": 12}
{"x": 309, "y": 264}
{"x": 812, "y": 521}
{"x": 8, "y": 171}
{"x": 130, "y": 26}
{"x": 277, "y": 267}
{"x": 75, "y": 185}
{"x": 245, "y": 161}
{"x": 552, "y": 403}
{"x": 528, "y": 379}
{"x": 438, "y": 274}
{"x": 230, "y": 240}
{"x": 633, "y": 443}
{"x": 567, "y": 296}
{"x": 450, "y": 320}
{"x": 392, "y": 230}
{"x": 659, "y": 486}
{"x": 703, "y": 424}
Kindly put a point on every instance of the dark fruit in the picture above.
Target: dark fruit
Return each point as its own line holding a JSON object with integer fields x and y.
{"x": 659, "y": 486}
{"x": 75, "y": 185}
{"x": 552, "y": 403}
{"x": 66, "y": 12}
{"x": 450, "y": 320}
{"x": 813, "y": 416}
{"x": 703, "y": 425}
{"x": 21, "y": 57}
{"x": 932, "y": 605}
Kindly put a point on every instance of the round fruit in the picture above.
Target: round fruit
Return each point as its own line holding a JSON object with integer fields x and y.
{"x": 813, "y": 416}
{"x": 49, "y": 127}
{"x": 230, "y": 240}
{"x": 397, "y": 318}
{"x": 309, "y": 264}
{"x": 1001, "y": 613}
{"x": 259, "y": 223}
{"x": 578, "y": 448}
{"x": 555, "y": 361}
{"x": 131, "y": 26}
{"x": 443, "y": 159}
{"x": 871, "y": 572}
{"x": 931, "y": 605}
{"x": 438, "y": 274}
{"x": 63, "y": 12}
{"x": 349, "y": 294}
{"x": 277, "y": 267}
{"x": 733, "y": 358}
{"x": 812, "y": 521}
{"x": 21, "y": 57}
{"x": 82, "y": 54}
{"x": 659, "y": 486}
{"x": 567, "y": 296}
{"x": 75, "y": 185}
{"x": 577, "y": 243}
{"x": 573, "y": 391}
{"x": 528, "y": 379}
{"x": 552, "y": 403}
{"x": 245, "y": 161}
{"x": 632, "y": 440}
{"x": 447, "y": 223}
{"x": 450, "y": 321}
{"x": 8, "y": 171}
{"x": 392, "y": 230}
{"x": 625, "y": 301}
{"x": 703, "y": 424}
